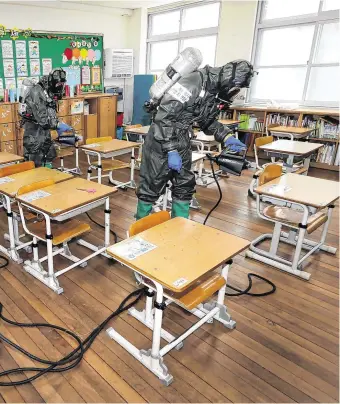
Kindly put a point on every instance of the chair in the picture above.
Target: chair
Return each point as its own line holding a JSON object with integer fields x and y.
{"x": 261, "y": 141}
{"x": 53, "y": 234}
{"x": 196, "y": 294}
{"x": 296, "y": 217}
{"x": 67, "y": 151}
{"x": 5, "y": 172}
{"x": 106, "y": 165}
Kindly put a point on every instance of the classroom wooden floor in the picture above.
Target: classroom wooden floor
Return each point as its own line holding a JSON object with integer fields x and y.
{"x": 284, "y": 347}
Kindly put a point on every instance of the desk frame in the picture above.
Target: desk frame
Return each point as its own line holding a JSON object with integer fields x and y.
{"x": 111, "y": 155}
{"x": 76, "y": 170}
{"x": 34, "y": 266}
{"x": 152, "y": 318}
{"x": 295, "y": 237}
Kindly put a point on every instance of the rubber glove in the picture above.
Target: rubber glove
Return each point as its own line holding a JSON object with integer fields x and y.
{"x": 174, "y": 160}
{"x": 234, "y": 145}
{"x": 63, "y": 127}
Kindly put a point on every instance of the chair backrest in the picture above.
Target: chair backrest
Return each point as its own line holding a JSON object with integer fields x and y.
{"x": 98, "y": 139}
{"x": 270, "y": 172}
{"x": 16, "y": 168}
{"x": 137, "y": 125}
{"x": 148, "y": 222}
{"x": 34, "y": 186}
{"x": 261, "y": 141}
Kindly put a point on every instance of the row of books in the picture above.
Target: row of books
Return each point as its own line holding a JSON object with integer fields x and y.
{"x": 324, "y": 129}
{"x": 250, "y": 122}
{"x": 282, "y": 120}
{"x": 226, "y": 115}
{"x": 328, "y": 155}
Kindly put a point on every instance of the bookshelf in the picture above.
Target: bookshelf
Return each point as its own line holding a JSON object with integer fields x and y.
{"x": 324, "y": 121}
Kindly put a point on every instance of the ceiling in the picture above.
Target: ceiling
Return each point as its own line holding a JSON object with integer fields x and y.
{"x": 131, "y": 4}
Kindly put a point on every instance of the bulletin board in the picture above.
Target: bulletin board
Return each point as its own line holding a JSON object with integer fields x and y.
{"x": 25, "y": 53}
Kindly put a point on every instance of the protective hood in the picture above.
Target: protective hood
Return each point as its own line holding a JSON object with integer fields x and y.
{"x": 56, "y": 82}
{"x": 226, "y": 81}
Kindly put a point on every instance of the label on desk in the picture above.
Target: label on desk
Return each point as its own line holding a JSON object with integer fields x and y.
{"x": 33, "y": 196}
{"x": 5, "y": 180}
{"x": 133, "y": 248}
{"x": 277, "y": 189}
{"x": 93, "y": 145}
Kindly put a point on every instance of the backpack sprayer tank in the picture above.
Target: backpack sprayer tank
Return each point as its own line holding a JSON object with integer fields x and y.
{"x": 186, "y": 62}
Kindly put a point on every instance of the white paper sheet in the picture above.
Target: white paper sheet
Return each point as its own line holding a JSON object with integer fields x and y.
{"x": 132, "y": 248}
{"x": 33, "y": 196}
{"x": 5, "y": 180}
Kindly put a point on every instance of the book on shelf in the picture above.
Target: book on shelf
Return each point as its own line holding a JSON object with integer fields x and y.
{"x": 250, "y": 121}
{"x": 328, "y": 154}
{"x": 324, "y": 128}
{"x": 337, "y": 158}
{"x": 281, "y": 120}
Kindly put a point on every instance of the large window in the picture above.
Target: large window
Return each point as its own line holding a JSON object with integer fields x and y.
{"x": 172, "y": 31}
{"x": 296, "y": 52}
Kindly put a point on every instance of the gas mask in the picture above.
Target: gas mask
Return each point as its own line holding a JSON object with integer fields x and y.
{"x": 56, "y": 82}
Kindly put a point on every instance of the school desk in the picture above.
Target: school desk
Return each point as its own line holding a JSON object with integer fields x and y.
{"x": 291, "y": 132}
{"x": 9, "y": 158}
{"x": 141, "y": 132}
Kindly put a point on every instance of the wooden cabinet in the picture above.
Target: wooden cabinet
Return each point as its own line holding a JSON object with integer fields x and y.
{"x": 9, "y": 147}
{"x": 91, "y": 126}
{"x": 76, "y": 121}
{"x": 6, "y": 113}
{"x": 63, "y": 109}
{"x": 107, "y": 116}
{"x": 7, "y": 132}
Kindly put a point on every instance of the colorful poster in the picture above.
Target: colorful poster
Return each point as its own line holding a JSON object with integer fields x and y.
{"x": 20, "y": 81}
{"x": 20, "y": 49}
{"x": 9, "y": 68}
{"x": 46, "y": 66}
{"x": 35, "y": 67}
{"x": 33, "y": 49}
{"x": 22, "y": 67}
{"x": 1, "y": 88}
{"x": 7, "y": 49}
{"x": 96, "y": 76}
{"x": 10, "y": 84}
{"x": 85, "y": 75}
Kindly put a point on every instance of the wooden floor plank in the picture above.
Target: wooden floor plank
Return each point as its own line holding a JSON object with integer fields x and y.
{"x": 285, "y": 347}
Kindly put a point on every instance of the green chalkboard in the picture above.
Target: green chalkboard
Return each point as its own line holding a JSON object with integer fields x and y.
{"x": 81, "y": 55}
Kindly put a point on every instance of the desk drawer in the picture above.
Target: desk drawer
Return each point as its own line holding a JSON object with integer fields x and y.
{"x": 9, "y": 147}
{"x": 7, "y": 132}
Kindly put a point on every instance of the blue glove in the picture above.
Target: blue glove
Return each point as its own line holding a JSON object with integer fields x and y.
{"x": 174, "y": 160}
{"x": 234, "y": 145}
{"x": 63, "y": 127}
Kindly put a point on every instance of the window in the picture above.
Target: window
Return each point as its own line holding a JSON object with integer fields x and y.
{"x": 296, "y": 52}
{"x": 172, "y": 31}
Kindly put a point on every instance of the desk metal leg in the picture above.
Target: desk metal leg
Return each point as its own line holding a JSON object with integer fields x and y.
{"x": 12, "y": 252}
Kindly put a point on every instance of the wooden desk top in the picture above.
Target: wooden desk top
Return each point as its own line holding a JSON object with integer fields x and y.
{"x": 27, "y": 177}
{"x": 66, "y": 196}
{"x": 310, "y": 191}
{"x": 229, "y": 121}
{"x": 195, "y": 157}
{"x": 111, "y": 146}
{"x": 143, "y": 130}
{"x": 185, "y": 251}
{"x": 290, "y": 129}
{"x": 292, "y": 147}
{"x": 7, "y": 158}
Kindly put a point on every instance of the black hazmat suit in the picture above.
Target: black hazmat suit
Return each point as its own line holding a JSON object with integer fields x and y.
{"x": 172, "y": 127}
{"x": 38, "y": 145}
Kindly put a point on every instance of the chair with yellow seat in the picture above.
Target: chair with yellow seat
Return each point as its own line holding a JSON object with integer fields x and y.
{"x": 261, "y": 141}
{"x": 107, "y": 165}
{"x": 296, "y": 217}
{"x": 56, "y": 235}
{"x": 5, "y": 172}
{"x": 192, "y": 298}
{"x": 67, "y": 151}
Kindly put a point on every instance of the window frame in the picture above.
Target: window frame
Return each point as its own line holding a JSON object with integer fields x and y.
{"x": 180, "y": 35}
{"x": 318, "y": 19}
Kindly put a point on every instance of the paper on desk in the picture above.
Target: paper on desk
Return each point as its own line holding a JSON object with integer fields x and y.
{"x": 33, "y": 196}
{"x": 5, "y": 180}
{"x": 133, "y": 248}
{"x": 93, "y": 145}
{"x": 278, "y": 189}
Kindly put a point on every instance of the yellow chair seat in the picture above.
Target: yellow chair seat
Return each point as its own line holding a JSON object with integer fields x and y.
{"x": 61, "y": 153}
{"x": 110, "y": 165}
{"x": 62, "y": 232}
{"x": 294, "y": 217}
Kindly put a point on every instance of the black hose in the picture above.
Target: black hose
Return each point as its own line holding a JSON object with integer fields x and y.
{"x": 246, "y": 291}
{"x": 103, "y": 227}
{"x": 70, "y": 360}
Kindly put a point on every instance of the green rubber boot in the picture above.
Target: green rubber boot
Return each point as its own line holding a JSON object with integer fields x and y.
{"x": 143, "y": 209}
{"x": 180, "y": 209}
{"x": 48, "y": 165}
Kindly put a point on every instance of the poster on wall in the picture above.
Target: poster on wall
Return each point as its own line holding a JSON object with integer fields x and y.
{"x": 10, "y": 84}
{"x": 46, "y": 66}
{"x": 9, "y": 68}
{"x": 96, "y": 76}
{"x": 1, "y": 88}
{"x": 20, "y": 81}
{"x": 35, "y": 67}
{"x": 85, "y": 75}
{"x": 20, "y": 49}
{"x": 33, "y": 49}
{"x": 7, "y": 49}
{"x": 72, "y": 75}
{"x": 22, "y": 67}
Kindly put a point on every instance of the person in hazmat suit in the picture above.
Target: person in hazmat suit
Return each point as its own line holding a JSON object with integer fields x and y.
{"x": 195, "y": 98}
{"x": 39, "y": 113}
